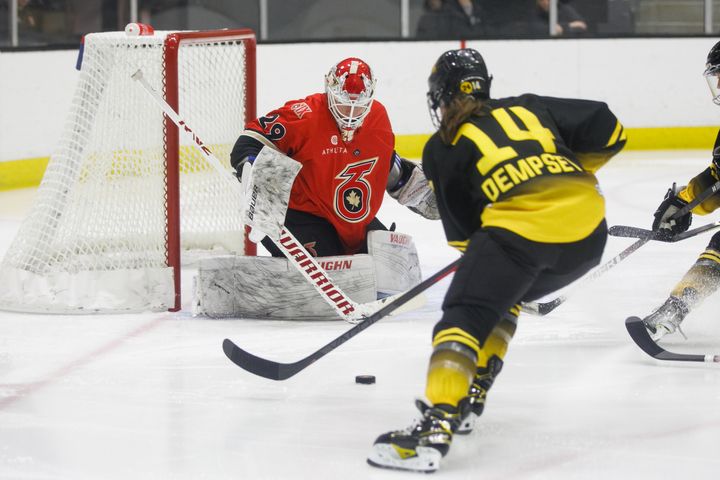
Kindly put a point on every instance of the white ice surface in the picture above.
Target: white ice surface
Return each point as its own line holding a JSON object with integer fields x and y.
{"x": 152, "y": 396}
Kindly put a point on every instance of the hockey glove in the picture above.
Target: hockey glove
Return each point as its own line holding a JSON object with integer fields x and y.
{"x": 413, "y": 191}
{"x": 665, "y": 222}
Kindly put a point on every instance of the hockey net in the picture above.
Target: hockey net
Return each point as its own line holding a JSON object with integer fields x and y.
{"x": 124, "y": 194}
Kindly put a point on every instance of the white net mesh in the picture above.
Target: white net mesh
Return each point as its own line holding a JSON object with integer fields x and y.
{"x": 96, "y": 237}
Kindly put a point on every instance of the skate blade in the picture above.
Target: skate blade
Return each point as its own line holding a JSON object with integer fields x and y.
{"x": 426, "y": 460}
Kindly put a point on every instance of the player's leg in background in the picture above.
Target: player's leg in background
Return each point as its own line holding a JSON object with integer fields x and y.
{"x": 374, "y": 224}
{"x": 317, "y": 235}
{"x": 489, "y": 364}
{"x": 701, "y": 281}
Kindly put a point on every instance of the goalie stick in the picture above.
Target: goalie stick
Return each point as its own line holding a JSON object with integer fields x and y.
{"x": 282, "y": 371}
{"x": 641, "y": 337}
{"x": 295, "y": 252}
{"x": 543, "y": 308}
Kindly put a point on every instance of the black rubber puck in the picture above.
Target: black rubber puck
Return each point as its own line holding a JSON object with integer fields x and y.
{"x": 365, "y": 379}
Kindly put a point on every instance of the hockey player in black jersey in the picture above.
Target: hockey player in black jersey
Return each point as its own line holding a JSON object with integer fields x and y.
{"x": 516, "y": 191}
{"x": 703, "y": 278}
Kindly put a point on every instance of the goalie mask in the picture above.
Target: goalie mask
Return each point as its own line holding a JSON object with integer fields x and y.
{"x": 712, "y": 72}
{"x": 457, "y": 72}
{"x": 350, "y": 86}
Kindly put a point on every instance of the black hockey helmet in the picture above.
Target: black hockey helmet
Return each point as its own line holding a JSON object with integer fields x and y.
{"x": 712, "y": 72}
{"x": 457, "y": 72}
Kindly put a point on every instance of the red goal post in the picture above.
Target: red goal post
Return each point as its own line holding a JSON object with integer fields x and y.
{"x": 173, "y": 43}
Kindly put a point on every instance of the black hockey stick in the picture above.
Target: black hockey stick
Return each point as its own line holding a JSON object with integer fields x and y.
{"x": 643, "y": 235}
{"x": 635, "y": 232}
{"x": 704, "y": 195}
{"x": 282, "y": 371}
{"x": 639, "y": 334}
{"x": 543, "y": 308}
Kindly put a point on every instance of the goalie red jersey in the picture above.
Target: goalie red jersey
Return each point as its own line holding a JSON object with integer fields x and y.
{"x": 343, "y": 182}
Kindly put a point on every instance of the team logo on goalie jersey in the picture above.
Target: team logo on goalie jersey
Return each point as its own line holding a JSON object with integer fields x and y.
{"x": 352, "y": 196}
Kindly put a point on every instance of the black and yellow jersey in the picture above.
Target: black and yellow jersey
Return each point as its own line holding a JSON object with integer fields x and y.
{"x": 702, "y": 182}
{"x": 526, "y": 166}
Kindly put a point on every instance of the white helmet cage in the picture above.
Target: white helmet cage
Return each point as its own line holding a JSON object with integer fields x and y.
{"x": 712, "y": 72}
{"x": 350, "y": 86}
{"x": 712, "y": 76}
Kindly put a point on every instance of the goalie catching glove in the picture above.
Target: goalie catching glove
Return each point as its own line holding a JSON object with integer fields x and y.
{"x": 664, "y": 223}
{"x": 407, "y": 184}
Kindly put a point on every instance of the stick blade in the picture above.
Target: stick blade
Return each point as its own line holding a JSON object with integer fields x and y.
{"x": 639, "y": 334}
{"x": 282, "y": 371}
{"x": 629, "y": 232}
{"x": 542, "y": 309}
{"x": 642, "y": 233}
{"x": 253, "y": 364}
{"x": 641, "y": 337}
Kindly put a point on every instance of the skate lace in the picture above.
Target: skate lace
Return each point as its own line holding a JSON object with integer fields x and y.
{"x": 478, "y": 391}
{"x": 431, "y": 421}
{"x": 415, "y": 426}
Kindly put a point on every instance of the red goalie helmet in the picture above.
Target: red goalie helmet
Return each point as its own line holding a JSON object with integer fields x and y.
{"x": 350, "y": 86}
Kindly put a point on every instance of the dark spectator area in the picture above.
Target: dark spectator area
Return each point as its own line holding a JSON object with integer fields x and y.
{"x": 53, "y": 22}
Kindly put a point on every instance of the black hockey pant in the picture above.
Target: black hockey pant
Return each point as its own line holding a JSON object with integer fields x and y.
{"x": 317, "y": 235}
{"x": 500, "y": 269}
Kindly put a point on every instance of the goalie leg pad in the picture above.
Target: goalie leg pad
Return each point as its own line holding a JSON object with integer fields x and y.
{"x": 271, "y": 288}
{"x": 397, "y": 267}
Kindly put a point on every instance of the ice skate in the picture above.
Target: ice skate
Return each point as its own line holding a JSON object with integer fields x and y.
{"x": 476, "y": 397}
{"x": 420, "y": 447}
{"x": 666, "y": 319}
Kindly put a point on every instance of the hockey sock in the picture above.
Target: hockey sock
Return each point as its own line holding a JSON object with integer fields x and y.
{"x": 496, "y": 344}
{"x": 700, "y": 281}
{"x": 450, "y": 373}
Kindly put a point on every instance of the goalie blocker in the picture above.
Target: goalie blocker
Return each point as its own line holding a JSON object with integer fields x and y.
{"x": 271, "y": 288}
